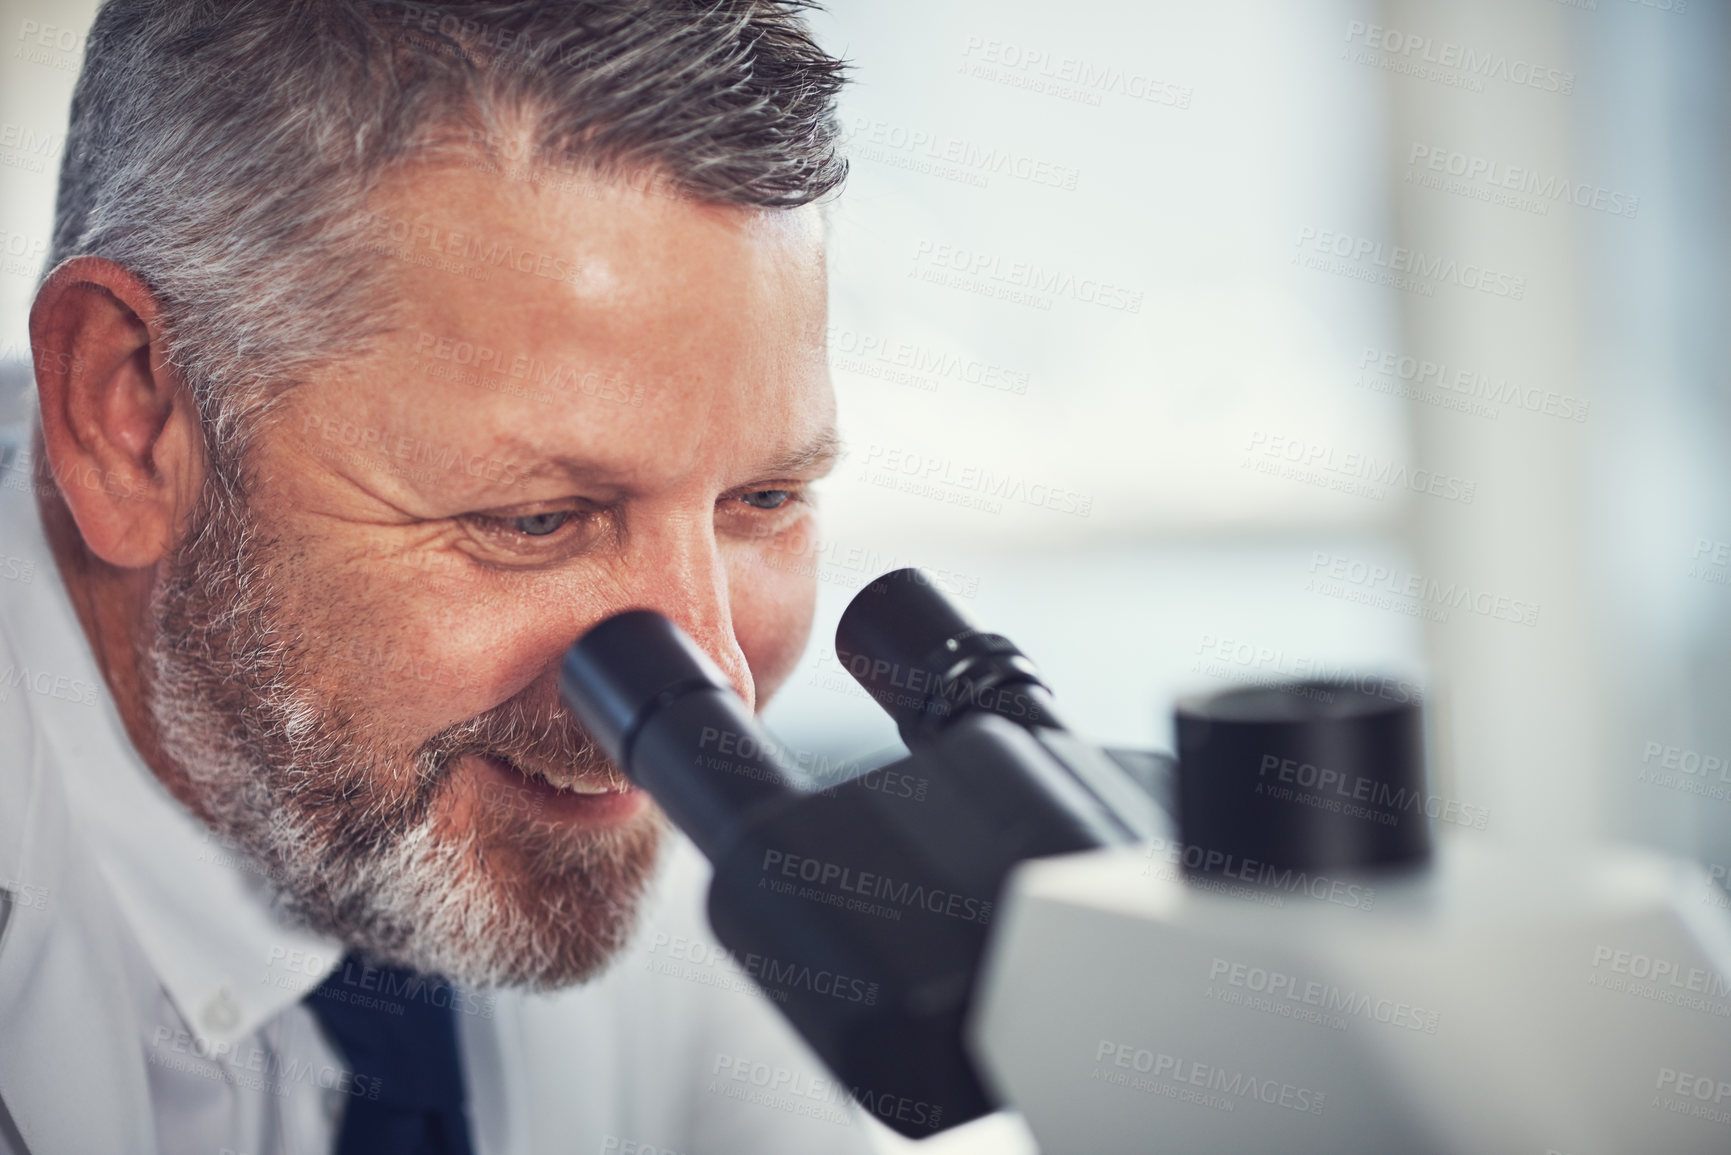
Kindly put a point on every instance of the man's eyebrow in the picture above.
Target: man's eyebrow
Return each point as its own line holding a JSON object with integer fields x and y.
{"x": 821, "y": 452}
{"x": 817, "y": 456}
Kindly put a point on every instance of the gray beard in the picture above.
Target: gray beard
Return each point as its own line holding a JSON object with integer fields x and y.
{"x": 343, "y": 827}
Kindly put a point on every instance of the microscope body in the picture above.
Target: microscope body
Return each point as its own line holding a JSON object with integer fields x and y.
{"x": 898, "y": 895}
{"x": 1143, "y": 954}
{"x": 1489, "y": 1001}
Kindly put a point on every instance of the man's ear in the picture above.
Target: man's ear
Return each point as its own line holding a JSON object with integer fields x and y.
{"x": 121, "y": 432}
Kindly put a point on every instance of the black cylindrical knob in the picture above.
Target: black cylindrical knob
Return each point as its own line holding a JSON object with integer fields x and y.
{"x": 1307, "y": 776}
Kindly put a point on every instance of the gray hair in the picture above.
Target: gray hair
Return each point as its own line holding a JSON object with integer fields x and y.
{"x": 224, "y": 150}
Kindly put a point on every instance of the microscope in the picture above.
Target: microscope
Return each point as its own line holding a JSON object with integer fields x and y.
{"x": 1260, "y": 945}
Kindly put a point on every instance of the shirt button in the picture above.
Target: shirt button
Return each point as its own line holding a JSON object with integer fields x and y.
{"x": 221, "y": 1013}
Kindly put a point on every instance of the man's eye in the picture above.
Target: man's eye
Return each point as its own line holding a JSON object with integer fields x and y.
{"x": 767, "y": 498}
{"x": 507, "y": 538}
{"x": 539, "y": 524}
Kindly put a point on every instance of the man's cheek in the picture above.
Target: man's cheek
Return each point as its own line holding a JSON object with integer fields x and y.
{"x": 414, "y": 684}
{"x": 413, "y": 657}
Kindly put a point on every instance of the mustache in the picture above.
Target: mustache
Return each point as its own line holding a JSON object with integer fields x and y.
{"x": 534, "y": 730}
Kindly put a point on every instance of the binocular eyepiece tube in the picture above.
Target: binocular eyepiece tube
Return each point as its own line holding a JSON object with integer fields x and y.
{"x": 851, "y": 878}
{"x": 927, "y": 665}
{"x": 658, "y": 706}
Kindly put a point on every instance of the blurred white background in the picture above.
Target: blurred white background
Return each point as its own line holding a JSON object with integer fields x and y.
{"x": 982, "y": 371}
{"x": 1119, "y": 359}
{"x": 1251, "y": 171}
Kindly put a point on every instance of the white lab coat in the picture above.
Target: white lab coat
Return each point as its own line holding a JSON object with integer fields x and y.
{"x": 117, "y": 909}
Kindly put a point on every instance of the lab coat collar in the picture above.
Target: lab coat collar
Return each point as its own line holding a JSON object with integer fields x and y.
{"x": 198, "y": 907}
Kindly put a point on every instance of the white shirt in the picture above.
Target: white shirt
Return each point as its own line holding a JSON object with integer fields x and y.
{"x": 168, "y": 960}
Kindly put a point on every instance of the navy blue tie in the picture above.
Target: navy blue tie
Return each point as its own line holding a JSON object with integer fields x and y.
{"x": 398, "y": 1031}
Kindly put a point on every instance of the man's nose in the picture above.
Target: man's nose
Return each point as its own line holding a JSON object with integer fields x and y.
{"x": 682, "y": 576}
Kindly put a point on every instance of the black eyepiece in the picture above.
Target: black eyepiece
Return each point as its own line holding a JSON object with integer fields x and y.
{"x": 671, "y": 721}
{"x": 927, "y": 665}
{"x": 627, "y": 666}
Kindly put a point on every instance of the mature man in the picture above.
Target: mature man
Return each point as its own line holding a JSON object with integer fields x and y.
{"x": 385, "y": 348}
